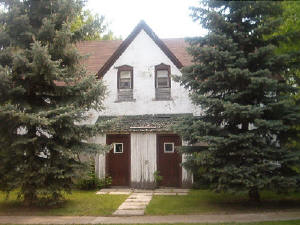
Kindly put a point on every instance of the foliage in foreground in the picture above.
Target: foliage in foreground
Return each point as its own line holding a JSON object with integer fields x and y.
{"x": 248, "y": 111}
{"x": 44, "y": 95}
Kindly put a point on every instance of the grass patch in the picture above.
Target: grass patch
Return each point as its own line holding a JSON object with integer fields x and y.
{"x": 204, "y": 201}
{"x": 79, "y": 203}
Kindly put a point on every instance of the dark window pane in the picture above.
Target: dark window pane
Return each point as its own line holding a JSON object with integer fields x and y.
{"x": 125, "y": 80}
{"x": 169, "y": 147}
{"x": 162, "y": 82}
{"x": 118, "y": 148}
{"x": 162, "y": 79}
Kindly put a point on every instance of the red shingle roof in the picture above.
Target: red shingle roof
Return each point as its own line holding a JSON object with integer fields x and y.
{"x": 100, "y": 51}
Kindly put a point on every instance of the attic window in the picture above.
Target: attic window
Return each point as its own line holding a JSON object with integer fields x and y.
{"x": 162, "y": 76}
{"x": 162, "y": 79}
{"x": 162, "y": 82}
{"x": 125, "y": 83}
{"x": 125, "y": 77}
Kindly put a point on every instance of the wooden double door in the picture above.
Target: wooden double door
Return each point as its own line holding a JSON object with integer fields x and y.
{"x": 169, "y": 160}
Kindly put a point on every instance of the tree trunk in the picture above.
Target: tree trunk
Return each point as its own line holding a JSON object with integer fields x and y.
{"x": 254, "y": 195}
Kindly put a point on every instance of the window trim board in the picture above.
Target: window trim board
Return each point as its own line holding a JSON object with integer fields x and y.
{"x": 115, "y": 148}
{"x": 124, "y": 68}
{"x": 173, "y": 147}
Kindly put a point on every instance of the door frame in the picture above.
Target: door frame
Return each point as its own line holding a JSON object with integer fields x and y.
{"x": 158, "y": 135}
{"x": 129, "y": 154}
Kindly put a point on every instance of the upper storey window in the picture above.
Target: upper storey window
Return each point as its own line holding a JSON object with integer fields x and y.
{"x": 125, "y": 75}
{"x": 125, "y": 83}
{"x": 162, "y": 79}
{"x": 162, "y": 82}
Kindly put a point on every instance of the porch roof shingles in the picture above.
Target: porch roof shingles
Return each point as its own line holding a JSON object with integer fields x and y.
{"x": 99, "y": 52}
{"x": 140, "y": 123}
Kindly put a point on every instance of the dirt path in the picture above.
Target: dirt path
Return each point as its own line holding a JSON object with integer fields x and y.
{"x": 207, "y": 218}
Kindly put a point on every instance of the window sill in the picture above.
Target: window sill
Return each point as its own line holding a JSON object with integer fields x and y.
{"x": 127, "y": 100}
{"x": 162, "y": 99}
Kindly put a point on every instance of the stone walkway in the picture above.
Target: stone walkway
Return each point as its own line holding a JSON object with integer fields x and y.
{"x": 138, "y": 199}
{"x": 204, "y": 218}
{"x": 134, "y": 205}
{"x": 159, "y": 191}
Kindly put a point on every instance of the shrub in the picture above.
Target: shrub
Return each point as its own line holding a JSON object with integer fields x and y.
{"x": 91, "y": 182}
{"x": 157, "y": 178}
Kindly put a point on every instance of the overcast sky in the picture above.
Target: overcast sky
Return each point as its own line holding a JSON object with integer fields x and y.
{"x": 167, "y": 18}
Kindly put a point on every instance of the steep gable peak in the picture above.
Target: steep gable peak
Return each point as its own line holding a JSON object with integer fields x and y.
{"x": 124, "y": 45}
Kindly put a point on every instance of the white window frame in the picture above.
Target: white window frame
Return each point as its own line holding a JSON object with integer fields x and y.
{"x": 115, "y": 148}
{"x": 173, "y": 148}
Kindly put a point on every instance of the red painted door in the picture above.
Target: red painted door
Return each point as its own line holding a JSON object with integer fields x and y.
{"x": 169, "y": 160}
{"x": 118, "y": 159}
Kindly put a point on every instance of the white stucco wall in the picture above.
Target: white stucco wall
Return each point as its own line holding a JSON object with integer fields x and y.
{"x": 143, "y": 55}
{"x": 143, "y": 158}
{"x": 100, "y": 158}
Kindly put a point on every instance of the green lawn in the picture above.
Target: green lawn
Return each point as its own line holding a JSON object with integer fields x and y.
{"x": 79, "y": 203}
{"x": 204, "y": 201}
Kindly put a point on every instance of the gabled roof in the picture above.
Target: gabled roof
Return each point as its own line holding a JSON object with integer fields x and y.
{"x": 103, "y": 54}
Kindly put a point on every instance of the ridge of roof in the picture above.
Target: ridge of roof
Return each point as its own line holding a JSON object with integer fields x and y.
{"x": 123, "y": 46}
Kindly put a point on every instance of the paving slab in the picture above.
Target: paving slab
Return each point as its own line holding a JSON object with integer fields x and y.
{"x": 166, "y": 193}
{"x": 130, "y": 207}
{"x": 141, "y": 194}
{"x": 181, "y": 190}
{"x": 164, "y": 190}
{"x": 120, "y": 193}
{"x": 135, "y": 204}
{"x": 142, "y": 191}
{"x": 137, "y": 200}
{"x": 124, "y": 212}
{"x": 141, "y": 197}
{"x": 125, "y": 189}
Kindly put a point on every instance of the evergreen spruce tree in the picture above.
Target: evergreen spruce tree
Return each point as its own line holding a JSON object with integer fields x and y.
{"x": 45, "y": 94}
{"x": 248, "y": 113}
